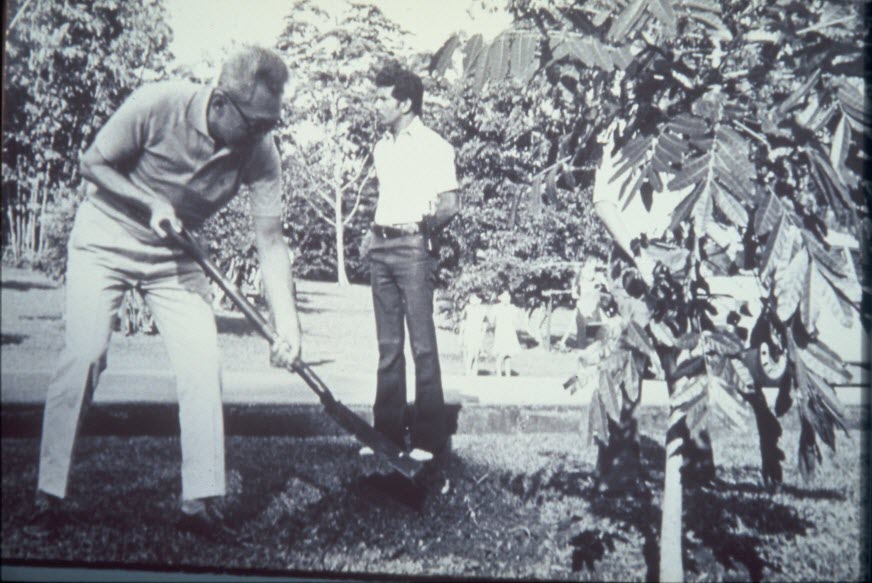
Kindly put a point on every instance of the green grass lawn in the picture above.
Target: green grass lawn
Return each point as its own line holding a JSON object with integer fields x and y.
{"x": 515, "y": 506}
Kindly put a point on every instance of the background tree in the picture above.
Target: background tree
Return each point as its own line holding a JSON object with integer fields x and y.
{"x": 758, "y": 110}
{"x": 68, "y": 65}
{"x": 525, "y": 224}
{"x": 331, "y": 128}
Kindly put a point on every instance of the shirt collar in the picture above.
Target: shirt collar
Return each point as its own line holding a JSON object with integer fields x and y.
{"x": 414, "y": 126}
{"x": 198, "y": 111}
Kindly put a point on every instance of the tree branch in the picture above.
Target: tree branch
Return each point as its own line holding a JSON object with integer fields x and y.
{"x": 321, "y": 214}
{"x": 325, "y": 198}
{"x": 18, "y": 15}
{"x": 822, "y": 24}
{"x": 358, "y": 173}
{"x": 760, "y": 138}
{"x": 357, "y": 197}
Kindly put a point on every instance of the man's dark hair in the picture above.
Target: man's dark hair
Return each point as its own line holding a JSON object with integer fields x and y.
{"x": 406, "y": 84}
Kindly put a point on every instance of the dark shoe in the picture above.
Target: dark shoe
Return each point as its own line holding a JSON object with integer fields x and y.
{"x": 444, "y": 451}
{"x": 50, "y": 516}
{"x": 207, "y": 524}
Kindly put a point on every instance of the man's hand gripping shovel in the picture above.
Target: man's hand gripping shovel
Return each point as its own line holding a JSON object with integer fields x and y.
{"x": 348, "y": 420}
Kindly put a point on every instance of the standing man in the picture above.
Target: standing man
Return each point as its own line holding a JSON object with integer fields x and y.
{"x": 176, "y": 152}
{"x": 417, "y": 198}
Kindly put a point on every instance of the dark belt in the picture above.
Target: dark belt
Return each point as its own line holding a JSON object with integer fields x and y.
{"x": 394, "y": 231}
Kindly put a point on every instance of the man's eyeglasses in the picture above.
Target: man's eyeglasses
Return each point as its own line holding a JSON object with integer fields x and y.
{"x": 253, "y": 126}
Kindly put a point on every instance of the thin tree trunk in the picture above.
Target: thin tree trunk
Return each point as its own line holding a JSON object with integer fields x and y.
{"x": 18, "y": 16}
{"x": 19, "y": 233}
{"x": 671, "y": 525}
{"x": 341, "y": 276}
{"x": 32, "y": 205}
{"x": 40, "y": 240}
{"x": 671, "y": 528}
{"x": 13, "y": 232}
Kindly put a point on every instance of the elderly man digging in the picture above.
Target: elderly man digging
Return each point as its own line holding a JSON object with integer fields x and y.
{"x": 177, "y": 152}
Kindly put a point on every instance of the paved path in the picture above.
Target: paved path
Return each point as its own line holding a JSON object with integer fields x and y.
{"x": 282, "y": 388}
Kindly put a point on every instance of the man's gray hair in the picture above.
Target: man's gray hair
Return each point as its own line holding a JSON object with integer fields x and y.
{"x": 251, "y": 66}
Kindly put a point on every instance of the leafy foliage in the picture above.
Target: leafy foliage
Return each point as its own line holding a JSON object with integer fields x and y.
{"x": 526, "y": 221}
{"x": 68, "y": 65}
{"x": 330, "y": 130}
{"x": 754, "y": 112}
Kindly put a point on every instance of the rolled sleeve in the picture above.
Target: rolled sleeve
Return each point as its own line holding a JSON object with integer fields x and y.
{"x": 263, "y": 174}
{"x": 444, "y": 173}
{"x": 124, "y": 136}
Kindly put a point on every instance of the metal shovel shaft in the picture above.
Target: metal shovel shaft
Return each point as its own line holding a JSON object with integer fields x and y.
{"x": 265, "y": 329}
{"x": 346, "y": 418}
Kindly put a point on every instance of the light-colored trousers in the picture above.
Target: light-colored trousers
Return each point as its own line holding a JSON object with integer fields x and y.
{"x": 104, "y": 259}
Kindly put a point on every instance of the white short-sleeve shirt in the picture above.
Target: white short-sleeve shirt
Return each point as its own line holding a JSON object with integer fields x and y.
{"x": 412, "y": 169}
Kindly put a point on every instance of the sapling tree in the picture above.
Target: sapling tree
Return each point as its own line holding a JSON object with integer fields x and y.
{"x": 755, "y": 110}
{"x": 330, "y": 126}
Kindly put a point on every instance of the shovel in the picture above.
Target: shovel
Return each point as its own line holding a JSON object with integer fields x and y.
{"x": 347, "y": 419}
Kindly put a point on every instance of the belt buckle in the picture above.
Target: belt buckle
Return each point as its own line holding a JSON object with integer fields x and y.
{"x": 408, "y": 228}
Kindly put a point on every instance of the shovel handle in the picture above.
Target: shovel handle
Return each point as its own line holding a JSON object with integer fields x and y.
{"x": 184, "y": 240}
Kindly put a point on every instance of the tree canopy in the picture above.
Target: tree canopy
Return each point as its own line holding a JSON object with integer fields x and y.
{"x": 68, "y": 65}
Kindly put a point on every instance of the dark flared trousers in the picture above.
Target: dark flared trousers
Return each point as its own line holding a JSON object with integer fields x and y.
{"x": 402, "y": 274}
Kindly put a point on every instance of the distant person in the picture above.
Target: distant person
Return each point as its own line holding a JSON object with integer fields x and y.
{"x": 176, "y": 153}
{"x": 506, "y": 343}
{"x": 473, "y": 329}
{"x": 417, "y": 199}
{"x": 587, "y": 298}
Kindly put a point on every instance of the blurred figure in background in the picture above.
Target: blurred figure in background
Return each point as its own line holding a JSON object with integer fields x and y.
{"x": 587, "y": 298}
{"x": 506, "y": 343}
{"x": 473, "y": 329}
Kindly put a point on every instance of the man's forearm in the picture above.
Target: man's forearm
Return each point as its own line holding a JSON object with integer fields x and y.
{"x": 276, "y": 272}
{"x": 275, "y": 267}
{"x": 447, "y": 207}
{"x": 101, "y": 173}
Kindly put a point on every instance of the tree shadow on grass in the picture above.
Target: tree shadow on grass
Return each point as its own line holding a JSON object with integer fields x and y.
{"x": 794, "y": 491}
{"x": 724, "y": 522}
{"x": 302, "y": 295}
{"x": 305, "y": 305}
{"x": 26, "y": 285}
{"x": 235, "y": 326}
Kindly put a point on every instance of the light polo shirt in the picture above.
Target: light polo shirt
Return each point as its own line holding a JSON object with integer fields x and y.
{"x": 412, "y": 169}
{"x": 160, "y": 140}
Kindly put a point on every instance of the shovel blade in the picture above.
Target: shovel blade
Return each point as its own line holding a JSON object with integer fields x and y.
{"x": 367, "y": 435}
